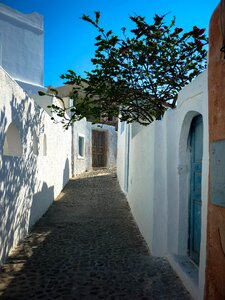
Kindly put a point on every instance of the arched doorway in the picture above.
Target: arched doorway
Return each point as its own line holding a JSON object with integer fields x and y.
{"x": 12, "y": 144}
{"x": 195, "y": 202}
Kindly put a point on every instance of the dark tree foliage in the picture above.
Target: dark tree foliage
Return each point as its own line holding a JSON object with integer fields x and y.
{"x": 137, "y": 75}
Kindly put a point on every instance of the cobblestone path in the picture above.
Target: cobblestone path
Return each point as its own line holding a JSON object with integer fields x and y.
{"x": 87, "y": 246}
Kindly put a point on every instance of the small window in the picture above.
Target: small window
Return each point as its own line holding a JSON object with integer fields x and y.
{"x": 12, "y": 144}
{"x": 44, "y": 145}
{"x": 35, "y": 144}
{"x": 81, "y": 150}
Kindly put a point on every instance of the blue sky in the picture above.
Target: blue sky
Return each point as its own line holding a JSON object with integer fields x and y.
{"x": 69, "y": 40}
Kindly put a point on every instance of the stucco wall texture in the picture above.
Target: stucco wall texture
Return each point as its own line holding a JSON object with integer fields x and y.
{"x": 22, "y": 45}
{"x": 158, "y": 179}
{"x": 215, "y": 272}
{"x": 37, "y": 157}
{"x": 82, "y": 164}
{"x": 111, "y": 142}
{"x": 84, "y": 128}
{"x": 30, "y": 182}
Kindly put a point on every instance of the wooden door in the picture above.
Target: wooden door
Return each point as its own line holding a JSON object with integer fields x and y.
{"x": 196, "y": 139}
{"x": 99, "y": 149}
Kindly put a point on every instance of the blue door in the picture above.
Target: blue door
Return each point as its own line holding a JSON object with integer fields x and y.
{"x": 196, "y": 143}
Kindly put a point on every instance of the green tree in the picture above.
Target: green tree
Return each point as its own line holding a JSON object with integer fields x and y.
{"x": 138, "y": 74}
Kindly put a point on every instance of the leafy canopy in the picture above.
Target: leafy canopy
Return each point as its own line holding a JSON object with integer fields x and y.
{"x": 138, "y": 74}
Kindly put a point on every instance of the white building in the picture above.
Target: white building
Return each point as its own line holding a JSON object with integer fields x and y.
{"x": 156, "y": 171}
{"x": 35, "y": 162}
{"x": 95, "y": 145}
{"x": 37, "y": 157}
{"x": 22, "y": 47}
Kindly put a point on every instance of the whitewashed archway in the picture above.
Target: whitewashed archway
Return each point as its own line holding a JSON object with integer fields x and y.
{"x": 184, "y": 181}
{"x": 12, "y": 143}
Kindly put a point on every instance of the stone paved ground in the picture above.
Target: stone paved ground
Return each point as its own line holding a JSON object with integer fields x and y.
{"x": 87, "y": 246}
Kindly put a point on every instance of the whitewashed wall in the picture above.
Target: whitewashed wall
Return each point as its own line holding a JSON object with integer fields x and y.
{"x": 158, "y": 179}
{"x": 84, "y": 128}
{"x": 22, "y": 47}
{"x": 82, "y": 164}
{"x": 121, "y": 158}
{"x": 30, "y": 182}
{"x": 111, "y": 140}
{"x": 37, "y": 157}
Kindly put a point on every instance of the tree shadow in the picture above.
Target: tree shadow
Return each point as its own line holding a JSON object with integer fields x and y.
{"x": 88, "y": 246}
{"x": 18, "y": 175}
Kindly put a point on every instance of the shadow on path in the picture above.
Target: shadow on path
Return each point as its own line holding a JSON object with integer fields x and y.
{"x": 87, "y": 246}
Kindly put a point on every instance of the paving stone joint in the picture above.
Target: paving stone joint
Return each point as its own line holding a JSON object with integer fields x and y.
{"x": 87, "y": 246}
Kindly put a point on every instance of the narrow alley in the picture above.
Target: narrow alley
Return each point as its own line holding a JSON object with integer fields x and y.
{"x": 87, "y": 246}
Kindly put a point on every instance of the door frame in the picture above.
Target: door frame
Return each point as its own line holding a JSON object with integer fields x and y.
{"x": 194, "y": 256}
{"x": 184, "y": 183}
{"x": 105, "y": 132}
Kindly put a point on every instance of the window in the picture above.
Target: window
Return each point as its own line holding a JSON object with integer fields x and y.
{"x": 81, "y": 150}
{"x": 35, "y": 144}
{"x": 44, "y": 145}
{"x": 12, "y": 144}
